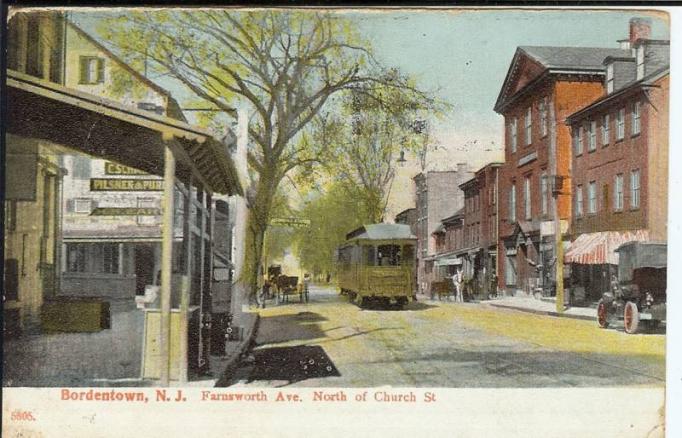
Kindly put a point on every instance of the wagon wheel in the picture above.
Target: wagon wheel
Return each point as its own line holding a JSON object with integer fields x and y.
{"x": 631, "y": 317}
{"x": 602, "y": 315}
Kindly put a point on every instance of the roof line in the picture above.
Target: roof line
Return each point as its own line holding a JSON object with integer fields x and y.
{"x": 118, "y": 60}
{"x": 624, "y": 90}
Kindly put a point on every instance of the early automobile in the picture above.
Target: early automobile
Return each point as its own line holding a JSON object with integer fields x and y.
{"x": 376, "y": 264}
{"x": 638, "y": 293}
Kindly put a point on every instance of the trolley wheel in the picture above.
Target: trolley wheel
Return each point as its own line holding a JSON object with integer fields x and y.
{"x": 602, "y": 315}
{"x": 630, "y": 317}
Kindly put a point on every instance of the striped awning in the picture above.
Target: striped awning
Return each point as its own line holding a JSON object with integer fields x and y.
{"x": 599, "y": 248}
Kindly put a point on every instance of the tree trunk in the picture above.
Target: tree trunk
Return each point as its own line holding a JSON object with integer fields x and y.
{"x": 259, "y": 217}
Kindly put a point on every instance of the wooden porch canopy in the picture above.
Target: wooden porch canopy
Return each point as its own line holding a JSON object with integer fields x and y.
{"x": 109, "y": 130}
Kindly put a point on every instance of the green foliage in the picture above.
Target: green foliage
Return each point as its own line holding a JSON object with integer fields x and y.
{"x": 286, "y": 66}
{"x": 332, "y": 214}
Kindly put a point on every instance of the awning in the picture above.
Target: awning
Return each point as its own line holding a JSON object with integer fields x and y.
{"x": 106, "y": 129}
{"x": 599, "y": 248}
{"x": 448, "y": 261}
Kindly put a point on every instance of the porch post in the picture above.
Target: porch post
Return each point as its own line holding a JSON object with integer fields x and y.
{"x": 166, "y": 265}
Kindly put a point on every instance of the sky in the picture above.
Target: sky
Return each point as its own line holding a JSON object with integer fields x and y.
{"x": 463, "y": 57}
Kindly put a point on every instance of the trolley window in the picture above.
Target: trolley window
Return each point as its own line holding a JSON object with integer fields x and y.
{"x": 369, "y": 255}
{"x": 389, "y": 255}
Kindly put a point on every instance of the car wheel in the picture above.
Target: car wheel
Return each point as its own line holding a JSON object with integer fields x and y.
{"x": 631, "y": 317}
{"x": 602, "y": 315}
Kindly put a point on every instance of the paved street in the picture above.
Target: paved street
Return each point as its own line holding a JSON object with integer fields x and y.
{"x": 330, "y": 342}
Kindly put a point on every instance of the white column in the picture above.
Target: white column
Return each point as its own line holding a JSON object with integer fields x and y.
{"x": 166, "y": 266}
{"x": 240, "y": 212}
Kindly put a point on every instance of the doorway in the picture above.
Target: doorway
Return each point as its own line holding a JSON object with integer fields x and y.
{"x": 144, "y": 267}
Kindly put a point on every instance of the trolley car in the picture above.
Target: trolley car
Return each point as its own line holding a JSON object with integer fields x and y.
{"x": 376, "y": 264}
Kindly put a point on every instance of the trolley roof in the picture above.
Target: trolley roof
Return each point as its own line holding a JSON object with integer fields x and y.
{"x": 382, "y": 232}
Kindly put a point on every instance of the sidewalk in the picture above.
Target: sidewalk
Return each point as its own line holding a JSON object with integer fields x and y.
{"x": 108, "y": 358}
{"x": 542, "y": 307}
{"x": 222, "y": 367}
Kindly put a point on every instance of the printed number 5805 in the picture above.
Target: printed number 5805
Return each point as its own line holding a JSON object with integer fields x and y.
{"x": 22, "y": 416}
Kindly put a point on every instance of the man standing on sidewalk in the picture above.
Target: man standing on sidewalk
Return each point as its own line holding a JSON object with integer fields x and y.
{"x": 458, "y": 281}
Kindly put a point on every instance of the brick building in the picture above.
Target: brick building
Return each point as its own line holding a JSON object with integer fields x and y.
{"x": 449, "y": 239}
{"x": 620, "y": 161}
{"x": 543, "y": 86}
{"x": 479, "y": 249}
{"x": 437, "y": 196}
{"x": 408, "y": 217}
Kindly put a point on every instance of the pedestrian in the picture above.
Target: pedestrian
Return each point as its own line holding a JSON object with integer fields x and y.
{"x": 458, "y": 281}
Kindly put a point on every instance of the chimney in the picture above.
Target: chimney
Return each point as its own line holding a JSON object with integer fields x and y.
{"x": 624, "y": 44}
{"x": 461, "y": 167}
{"x": 640, "y": 28}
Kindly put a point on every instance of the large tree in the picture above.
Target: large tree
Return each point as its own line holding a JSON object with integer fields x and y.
{"x": 367, "y": 135}
{"x": 284, "y": 65}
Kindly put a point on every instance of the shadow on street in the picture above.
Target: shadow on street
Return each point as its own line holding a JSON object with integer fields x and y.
{"x": 292, "y": 364}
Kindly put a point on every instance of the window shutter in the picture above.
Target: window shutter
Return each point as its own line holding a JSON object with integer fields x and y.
{"x": 100, "y": 70}
{"x": 69, "y": 205}
{"x": 82, "y": 79}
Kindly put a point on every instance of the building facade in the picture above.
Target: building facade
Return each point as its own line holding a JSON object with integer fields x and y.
{"x": 480, "y": 237}
{"x": 543, "y": 85}
{"x": 111, "y": 213}
{"x": 408, "y": 217}
{"x": 437, "y": 196}
{"x": 620, "y": 162}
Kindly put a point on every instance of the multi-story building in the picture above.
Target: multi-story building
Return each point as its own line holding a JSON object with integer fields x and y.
{"x": 111, "y": 235}
{"x": 449, "y": 240}
{"x": 479, "y": 249}
{"x": 408, "y": 217}
{"x": 543, "y": 86}
{"x": 437, "y": 196}
{"x": 48, "y": 122}
{"x": 620, "y": 161}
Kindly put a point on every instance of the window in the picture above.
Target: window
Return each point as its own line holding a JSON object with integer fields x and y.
{"x": 512, "y": 134}
{"x": 634, "y": 189}
{"x": 543, "y": 116}
{"x": 635, "y": 118}
{"x": 75, "y": 257}
{"x": 605, "y": 130}
{"x": 108, "y": 254}
{"x": 526, "y": 198}
{"x": 579, "y": 201}
{"x": 512, "y": 203}
{"x": 81, "y": 167}
{"x": 576, "y": 133}
{"x": 91, "y": 70}
{"x": 82, "y": 205}
{"x": 578, "y": 140}
{"x": 147, "y": 219}
{"x": 592, "y": 197}
{"x": 544, "y": 192}
{"x": 640, "y": 62}
{"x": 620, "y": 124}
{"x": 592, "y": 134}
{"x": 101, "y": 258}
{"x": 35, "y": 47}
{"x": 609, "y": 78}
{"x": 618, "y": 192}
{"x": 529, "y": 126}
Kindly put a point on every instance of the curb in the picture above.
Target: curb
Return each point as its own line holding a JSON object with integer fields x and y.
{"x": 233, "y": 361}
{"x": 544, "y": 312}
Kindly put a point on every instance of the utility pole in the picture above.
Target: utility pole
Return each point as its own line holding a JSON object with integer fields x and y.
{"x": 557, "y": 185}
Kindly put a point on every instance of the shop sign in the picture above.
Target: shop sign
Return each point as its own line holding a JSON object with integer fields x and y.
{"x": 119, "y": 169}
{"x": 125, "y": 185}
{"x": 125, "y": 211}
{"x": 290, "y": 222}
